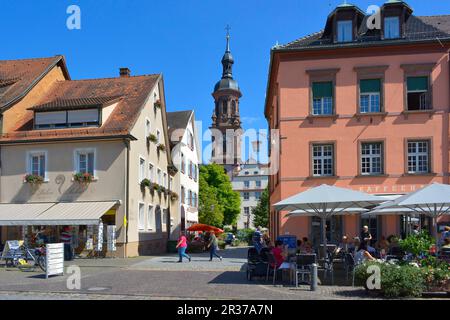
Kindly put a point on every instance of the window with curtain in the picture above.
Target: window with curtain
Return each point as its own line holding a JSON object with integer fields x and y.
{"x": 370, "y": 95}
{"x": 322, "y": 98}
{"x": 85, "y": 161}
{"x": 141, "y": 217}
{"x": 150, "y": 218}
{"x": 392, "y": 27}
{"x": 37, "y": 163}
{"x": 345, "y": 32}
{"x": 141, "y": 169}
{"x": 418, "y": 93}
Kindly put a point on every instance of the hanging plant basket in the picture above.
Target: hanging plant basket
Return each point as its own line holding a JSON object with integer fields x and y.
{"x": 173, "y": 196}
{"x": 33, "y": 179}
{"x": 161, "y": 147}
{"x": 84, "y": 178}
{"x": 157, "y": 105}
{"x": 152, "y": 138}
{"x": 145, "y": 183}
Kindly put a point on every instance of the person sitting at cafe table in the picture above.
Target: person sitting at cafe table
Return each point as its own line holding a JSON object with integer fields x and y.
{"x": 344, "y": 245}
{"x": 363, "y": 254}
{"x": 382, "y": 244}
{"x": 278, "y": 253}
{"x": 306, "y": 246}
{"x": 353, "y": 247}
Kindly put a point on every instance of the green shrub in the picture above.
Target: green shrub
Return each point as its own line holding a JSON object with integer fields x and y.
{"x": 245, "y": 235}
{"x": 417, "y": 244}
{"x": 396, "y": 281}
{"x": 222, "y": 244}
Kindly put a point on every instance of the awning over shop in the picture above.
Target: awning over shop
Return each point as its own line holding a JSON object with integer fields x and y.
{"x": 60, "y": 213}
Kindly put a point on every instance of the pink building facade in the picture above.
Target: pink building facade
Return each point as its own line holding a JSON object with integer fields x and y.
{"x": 362, "y": 109}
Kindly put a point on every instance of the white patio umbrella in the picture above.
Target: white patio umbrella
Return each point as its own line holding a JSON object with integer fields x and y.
{"x": 389, "y": 212}
{"x": 325, "y": 201}
{"x": 432, "y": 200}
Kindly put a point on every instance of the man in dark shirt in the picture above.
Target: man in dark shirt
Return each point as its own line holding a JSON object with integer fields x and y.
{"x": 365, "y": 235}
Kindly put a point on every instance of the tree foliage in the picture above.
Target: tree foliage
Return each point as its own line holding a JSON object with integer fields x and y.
{"x": 215, "y": 186}
{"x": 261, "y": 211}
{"x": 209, "y": 211}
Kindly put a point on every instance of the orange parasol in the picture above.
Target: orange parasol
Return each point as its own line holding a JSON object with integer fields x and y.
{"x": 204, "y": 228}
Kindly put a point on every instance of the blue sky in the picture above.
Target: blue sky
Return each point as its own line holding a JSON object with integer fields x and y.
{"x": 184, "y": 40}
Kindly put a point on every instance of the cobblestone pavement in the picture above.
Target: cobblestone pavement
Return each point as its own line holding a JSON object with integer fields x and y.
{"x": 162, "y": 278}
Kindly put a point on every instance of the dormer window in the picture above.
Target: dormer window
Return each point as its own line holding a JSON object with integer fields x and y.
{"x": 392, "y": 27}
{"x": 345, "y": 31}
{"x": 66, "y": 119}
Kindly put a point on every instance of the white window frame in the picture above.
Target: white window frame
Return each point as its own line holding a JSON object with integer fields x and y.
{"x": 141, "y": 170}
{"x": 141, "y": 221}
{"x": 35, "y": 153}
{"x": 246, "y": 196}
{"x": 370, "y": 106}
{"x": 151, "y": 222}
{"x": 151, "y": 172}
{"x": 76, "y": 154}
{"x": 158, "y": 136}
{"x": 321, "y": 159}
{"x": 165, "y": 179}
{"x": 148, "y": 127}
{"x": 416, "y": 155}
{"x": 371, "y": 157}
{"x": 246, "y": 184}
{"x": 246, "y": 213}
{"x": 159, "y": 176}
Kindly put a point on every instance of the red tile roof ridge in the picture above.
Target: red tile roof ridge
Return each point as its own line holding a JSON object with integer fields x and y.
{"x": 113, "y": 78}
{"x": 33, "y": 59}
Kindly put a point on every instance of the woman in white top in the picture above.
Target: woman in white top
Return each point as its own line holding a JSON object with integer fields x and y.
{"x": 362, "y": 254}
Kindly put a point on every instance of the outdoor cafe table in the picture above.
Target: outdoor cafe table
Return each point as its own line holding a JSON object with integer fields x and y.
{"x": 289, "y": 266}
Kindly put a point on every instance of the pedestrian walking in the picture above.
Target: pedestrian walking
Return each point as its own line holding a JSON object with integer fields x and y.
{"x": 181, "y": 246}
{"x": 212, "y": 245}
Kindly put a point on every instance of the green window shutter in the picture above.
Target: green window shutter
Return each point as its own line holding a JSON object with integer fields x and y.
{"x": 370, "y": 85}
{"x": 322, "y": 89}
{"x": 417, "y": 83}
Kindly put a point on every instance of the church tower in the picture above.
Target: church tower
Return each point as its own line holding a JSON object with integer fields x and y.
{"x": 226, "y": 123}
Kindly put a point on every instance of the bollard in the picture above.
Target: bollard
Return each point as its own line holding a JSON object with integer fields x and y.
{"x": 313, "y": 277}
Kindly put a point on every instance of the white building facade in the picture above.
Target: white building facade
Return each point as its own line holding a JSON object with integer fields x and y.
{"x": 250, "y": 181}
{"x": 186, "y": 155}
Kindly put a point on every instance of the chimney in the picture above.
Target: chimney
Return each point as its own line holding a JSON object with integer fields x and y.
{"x": 125, "y": 72}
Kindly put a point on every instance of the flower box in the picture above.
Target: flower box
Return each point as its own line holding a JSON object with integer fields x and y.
{"x": 83, "y": 177}
{"x": 33, "y": 179}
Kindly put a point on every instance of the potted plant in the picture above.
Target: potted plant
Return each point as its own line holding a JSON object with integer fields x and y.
{"x": 152, "y": 138}
{"x": 33, "y": 179}
{"x": 161, "y": 147}
{"x": 84, "y": 178}
{"x": 157, "y": 104}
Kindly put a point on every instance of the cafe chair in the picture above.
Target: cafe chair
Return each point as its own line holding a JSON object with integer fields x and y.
{"x": 271, "y": 266}
{"x": 350, "y": 267}
{"x": 303, "y": 266}
{"x": 329, "y": 267}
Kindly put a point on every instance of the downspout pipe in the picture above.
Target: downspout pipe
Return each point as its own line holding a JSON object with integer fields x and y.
{"x": 127, "y": 195}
